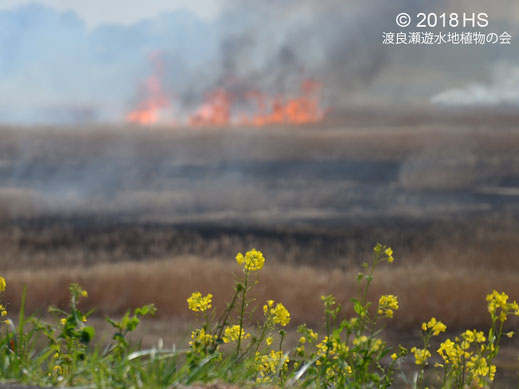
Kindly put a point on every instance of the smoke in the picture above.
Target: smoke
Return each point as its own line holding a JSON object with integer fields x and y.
{"x": 503, "y": 89}
{"x": 54, "y": 68}
{"x": 282, "y": 42}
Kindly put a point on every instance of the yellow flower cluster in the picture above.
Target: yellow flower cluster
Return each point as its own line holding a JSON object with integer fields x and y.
{"x": 310, "y": 336}
{"x": 331, "y": 347}
{"x": 332, "y": 373}
{"x": 269, "y": 365}
{"x": 473, "y": 337}
{"x": 452, "y": 353}
{"x": 360, "y": 340}
{"x": 3, "y": 311}
{"x": 376, "y": 344}
{"x": 389, "y": 253}
{"x": 477, "y": 369}
{"x": 253, "y": 260}
{"x": 300, "y": 350}
{"x": 232, "y": 334}
{"x": 277, "y": 314}
{"x": 498, "y": 304}
{"x": 456, "y": 352}
{"x": 421, "y": 355}
{"x": 435, "y": 326}
{"x": 200, "y": 339}
{"x": 381, "y": 250}
{"x": 387, "y": 305}
{"x": 198, "y": 303}
{"x": 313, "y": 335}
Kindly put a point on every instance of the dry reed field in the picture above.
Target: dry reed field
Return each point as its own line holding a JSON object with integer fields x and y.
{"x": 424, "y": 290}
{"x": 139, "y": 216}
{"x": 157, "y": 212}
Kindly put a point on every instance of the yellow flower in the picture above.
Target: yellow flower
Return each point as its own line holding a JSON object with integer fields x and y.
{"x": 269, "y": 341}
{"x": 499, "y": 307}
{"x": 471, "y": 337}
{"x": 278, "y": 314}
{"x": 63, "y": 321}
{"x": 438, "y": 327}
{"x": 477, "y": 368}
{"x": 197, "y": 303}
{"x": 451, "y": 352}
{"x": 313, "y": 335}
{"x": 200, "y": 339}
{"x": 510, "y": 334}
{"x": 3, "y": 311}
{"x": 376, "y": 345}
{"x": 270, "y": 365}
{"x": 252, "y": 260}
{"x": 332, "y": 347}
{"x": 421, "y": 355}
{"x": 435, "y": 326}
{"x": 233, "y": 334}
{"x": 362, "y": 339}
{"x": 492, "y": 373}
{"x": 394, "y": 356}
{"x": 2, "y": 284}
{"x": 269, "y": 304}
{"x": 386, "y": 305}
{"x": 389, "y": 253}
{"x": 84, "y": 293}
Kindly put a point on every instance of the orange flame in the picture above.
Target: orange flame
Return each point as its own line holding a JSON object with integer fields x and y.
{"x": 148, "y": 110}
{"x": 216, "y": 111}
{"x": 299, "y": 110}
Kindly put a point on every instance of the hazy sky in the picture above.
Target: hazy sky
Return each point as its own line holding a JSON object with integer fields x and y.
{"x": 96, "y": 12}
{"x": 59, "y": 56}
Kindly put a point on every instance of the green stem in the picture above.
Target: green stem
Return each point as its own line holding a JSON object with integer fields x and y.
{"x": 260, "y": 340}
{"x": 242, "y": 311}
{"x": 223, "y": 320}
{"x": 281, "y": 341}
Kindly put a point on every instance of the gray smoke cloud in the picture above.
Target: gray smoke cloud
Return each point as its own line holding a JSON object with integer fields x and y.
{"x": 502, "y": 89}
{"x": 56, "y": 68}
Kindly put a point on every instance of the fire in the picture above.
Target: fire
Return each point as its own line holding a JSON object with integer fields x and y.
{"x": 299, "y": 110}
{"x": 148, "y": 110}
{"x": 220, "y": 108}
{"x": 216, "y": 111}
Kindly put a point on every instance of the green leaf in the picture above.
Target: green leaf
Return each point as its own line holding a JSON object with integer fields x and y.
{"x": 87, "y": 334}
{"x": 113, "y": 323}
{"x": 149, "y": 309}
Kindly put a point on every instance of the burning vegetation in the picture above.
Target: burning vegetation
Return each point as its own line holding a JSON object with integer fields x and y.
{"x": 154, "y": 96}
{"x": 223, "y": 108}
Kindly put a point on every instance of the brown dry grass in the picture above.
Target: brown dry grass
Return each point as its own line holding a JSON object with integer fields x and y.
{"x": 455, "y": 294}
{"x": 445, "y": 270}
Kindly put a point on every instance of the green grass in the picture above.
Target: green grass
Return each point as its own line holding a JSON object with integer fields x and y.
{"x": 235, "y": 348}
